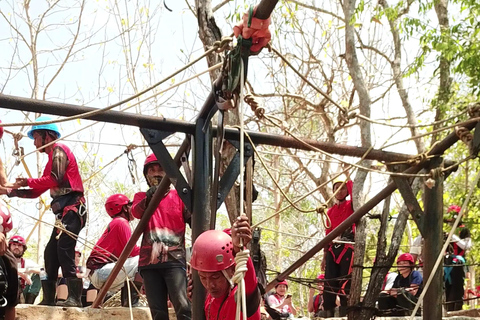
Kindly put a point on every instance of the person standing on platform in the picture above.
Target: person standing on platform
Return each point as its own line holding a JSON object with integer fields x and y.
{"x": 62, "y": 177}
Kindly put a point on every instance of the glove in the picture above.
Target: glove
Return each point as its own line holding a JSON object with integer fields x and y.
{"x": 150, "y": 192}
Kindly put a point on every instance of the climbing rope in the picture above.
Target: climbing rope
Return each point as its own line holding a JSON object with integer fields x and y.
{"x": 241, "y": 259}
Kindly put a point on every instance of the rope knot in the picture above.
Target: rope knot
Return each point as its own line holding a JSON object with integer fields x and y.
{"x": 474, "y": 110}
{"x": 418, "y": 159}
{"x": 254, "y": 104}
{"x": 464, "y": 134}
{"x": 321, "y": 208}
{"x": 222, "y": 45}
{"x": 130, "y": 147}
{"x": 434, "y": 174}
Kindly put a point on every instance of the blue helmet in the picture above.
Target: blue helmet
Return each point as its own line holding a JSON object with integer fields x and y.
{"x": 52, "y": 126}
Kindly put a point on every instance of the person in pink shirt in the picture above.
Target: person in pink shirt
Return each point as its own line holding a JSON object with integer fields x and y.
{"x": 162, "y": 262}
{"x": 213, "y": 256}
{"x": 281, "y": 302}
{"x": 109, "y": 247}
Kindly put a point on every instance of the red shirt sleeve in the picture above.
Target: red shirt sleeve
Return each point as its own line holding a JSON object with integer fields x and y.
{"x": 138, "y": 206}
{"x": 250, "y": 278}
{"x": 349, "y": 184}
{"x": 46, "y": 181}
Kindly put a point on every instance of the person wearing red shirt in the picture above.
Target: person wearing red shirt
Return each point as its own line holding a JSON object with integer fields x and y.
{"x": 109, "y": 247}
{"x": 61, "y": 176}
{"x": 315, "y": 301}
{"x": 213, "y": 256}
{"x": 162, "y": 262}
{"x": 338, "y": 257}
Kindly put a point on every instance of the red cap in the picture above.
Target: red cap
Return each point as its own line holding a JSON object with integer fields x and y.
{"x": 282, "y": 282}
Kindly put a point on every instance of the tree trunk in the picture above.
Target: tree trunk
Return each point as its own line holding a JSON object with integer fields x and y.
{"x": 398, "y": 75}
{"x": 365, "y": 102}
{"x": 443, "y": 96}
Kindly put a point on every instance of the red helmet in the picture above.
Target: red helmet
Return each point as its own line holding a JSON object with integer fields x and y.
{"x": 1, "y": 131}
{"x": 282, "y": 282}
{"x": 405, "y": 257}
{"x": 115, "y": 203}
{"x": 212, "y": 252}
{"x": 151, "y": 159}
{"x": 321, "y": 277}
{"x": 5, "y": 218}
{"x": 18, "y": 239}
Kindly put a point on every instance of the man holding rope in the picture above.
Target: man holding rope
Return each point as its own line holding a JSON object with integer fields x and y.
{"x": 213, "y": 256}
{"x": 61, "y": 176}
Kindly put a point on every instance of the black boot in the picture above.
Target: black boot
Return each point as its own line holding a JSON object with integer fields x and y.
{"x": 49, "y": 288}
{"x": 74, "y": 299}
{"x": 342, "y": 310}
{"x": 30, "y": 298}
{"x": 133, "y": 294}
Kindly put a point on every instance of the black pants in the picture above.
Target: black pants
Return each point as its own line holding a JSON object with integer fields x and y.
{"x": 160, "y": 284}
{"x": 61, "y": 252}
{"x": 454, "y": 288}
{"x": 334, "y": 270}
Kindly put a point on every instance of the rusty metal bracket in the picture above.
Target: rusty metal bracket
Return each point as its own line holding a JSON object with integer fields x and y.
{"x": 154, "y": 139}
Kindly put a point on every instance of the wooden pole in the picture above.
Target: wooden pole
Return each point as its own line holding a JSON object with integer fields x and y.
{"x": 432, "y": 306}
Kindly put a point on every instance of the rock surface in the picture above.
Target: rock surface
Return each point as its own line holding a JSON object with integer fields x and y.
{"x": 34, "y": 312}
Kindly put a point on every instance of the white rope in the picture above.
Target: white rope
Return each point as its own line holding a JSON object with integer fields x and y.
{"x": 242, "y": 256}
{"x": 241, "y": 259}
{"x": 445, "y": 245}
